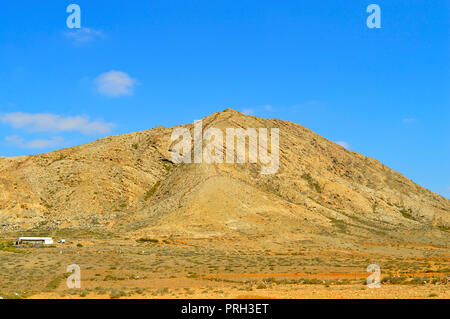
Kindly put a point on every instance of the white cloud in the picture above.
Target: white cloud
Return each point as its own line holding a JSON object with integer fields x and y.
{"x": 344, "y": 144}
{"x": 55, "y": 123}
{"x": 35, "y": 144}
{"x": 258, "y": 109}
{"x": 310, "y": 105}
{"x": 409, "y": 121}
{"x": 115, "y": 83}
{"x": 84, "y": 35}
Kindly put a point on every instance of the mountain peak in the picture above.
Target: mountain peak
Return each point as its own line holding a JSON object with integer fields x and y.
{"x": 129, "y": 182}
{"x": 232, "y": 111}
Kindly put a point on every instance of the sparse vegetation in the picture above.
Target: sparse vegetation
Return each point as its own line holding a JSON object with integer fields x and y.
{"x": 152, "y": 190}
{"x": 147, "y": 240}
{"x": 52, "y": 285}
{"x": 339, "y": 224}
{"x": 312, "y": 182}
{"x": 407, "y": 213}
{"x": 9, "y": 247}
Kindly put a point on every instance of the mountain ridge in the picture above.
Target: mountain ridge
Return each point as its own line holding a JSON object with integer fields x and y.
{"x": 129, "y": 184}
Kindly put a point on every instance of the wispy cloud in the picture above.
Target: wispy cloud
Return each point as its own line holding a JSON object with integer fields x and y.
{"x": 409, "y": 121}
{"x": 258, "y": 109}
{"x": 18, "y": 141}
{"x": 344, "y": 144}
{"x": 115, "y": 84}
{"x": 45, "y": 122}
{"x": 309, "y": 105}
{"x": 84, "y": 35}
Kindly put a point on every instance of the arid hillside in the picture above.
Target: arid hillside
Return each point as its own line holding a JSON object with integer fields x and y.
{"x": 128, "y": 184}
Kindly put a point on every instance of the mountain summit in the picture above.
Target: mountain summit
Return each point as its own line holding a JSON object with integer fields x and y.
{"x": 130, "y": 184}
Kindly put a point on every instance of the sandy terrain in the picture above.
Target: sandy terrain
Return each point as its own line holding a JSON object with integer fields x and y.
{"x": 125, "y": 268}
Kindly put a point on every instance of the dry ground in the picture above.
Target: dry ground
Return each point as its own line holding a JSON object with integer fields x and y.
{"x": 219, "y": 230}
{"x": 120, "y": 267}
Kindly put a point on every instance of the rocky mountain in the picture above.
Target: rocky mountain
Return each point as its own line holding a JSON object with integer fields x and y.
{"x": 129, "y": 184}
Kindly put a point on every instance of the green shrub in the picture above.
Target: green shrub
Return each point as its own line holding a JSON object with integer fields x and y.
{"x": 407, "y": 213}
{"x": 147, "y": 240}
{"x": 115, "y": 294}
{"x": 261, "y": 286}
{"x": 52, "y": 285}
{"x": 312, "y": 183}
{"x": 9, "y": 247}
{"x": 152, "y": 190}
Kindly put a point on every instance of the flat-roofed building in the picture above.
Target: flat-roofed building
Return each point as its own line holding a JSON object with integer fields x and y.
{"x": 35, "y": 240}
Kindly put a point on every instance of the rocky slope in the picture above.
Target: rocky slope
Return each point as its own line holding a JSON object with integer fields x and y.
{"x": 128, "y": 184}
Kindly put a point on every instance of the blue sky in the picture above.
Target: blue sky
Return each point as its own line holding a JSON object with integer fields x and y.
{"x": 135, "y": 65}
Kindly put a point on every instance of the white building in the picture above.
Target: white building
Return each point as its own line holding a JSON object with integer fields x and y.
{"x": 35, "y": 240}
